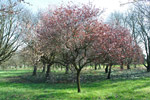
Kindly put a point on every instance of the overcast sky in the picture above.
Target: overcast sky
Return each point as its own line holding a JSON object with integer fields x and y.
{"x": 109, "y": 5}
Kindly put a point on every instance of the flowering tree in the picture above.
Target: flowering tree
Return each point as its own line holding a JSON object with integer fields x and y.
{"x": 138, "y": 57}
{"x": 73, "y": 35}
{"x": 69, "y": 30}
{"x": 115, "y": 46}
{"x": 49, "y": 37}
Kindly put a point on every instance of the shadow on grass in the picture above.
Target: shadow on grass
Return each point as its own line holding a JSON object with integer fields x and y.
{"x": 114, "y": 89}
{"x": 101, "y": 84}
{"x": 86, "y": 79}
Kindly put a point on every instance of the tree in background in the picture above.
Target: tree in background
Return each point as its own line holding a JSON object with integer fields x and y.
{"x": 30, "y": 44}
{"x": 49, "y": 38}
{"x": 9, "y": 29}
{"x": 142, "y": 10}
{"x": 129, "y": 21}
{"x": 114, "y": 46}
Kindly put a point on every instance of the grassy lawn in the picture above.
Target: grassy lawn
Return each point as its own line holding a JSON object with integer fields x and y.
{"x": 115, "y": 89}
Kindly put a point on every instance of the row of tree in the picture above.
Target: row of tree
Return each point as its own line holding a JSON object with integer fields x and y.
{"x": 137, "y": 20}
{"x": 75, "y": 35}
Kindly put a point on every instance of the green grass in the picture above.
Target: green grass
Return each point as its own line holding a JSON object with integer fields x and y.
{"x": 118, "y": 89}
{"x": 11, "y": 73}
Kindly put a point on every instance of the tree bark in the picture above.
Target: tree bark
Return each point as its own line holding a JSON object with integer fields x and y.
{"x": 44, "y": 65}
{"x": 109, "y": 72}
{"x": 134, "y": 65}
{"x": 148, "y": 64}
{"x": 61, "y": 67}
{"x": 128, "y": 66}
{"x": 95, "y": 66}
{"x": 121, "y": 66}
{"x": 104, "y": 66}
{"x": 48, "y": 70}
{"x": 16, "y": 67}
{"x": 78, "y": 81}
{"x": 34, "y": 70}
{"x": 67, "y": 69}
{"x": 99, "y": 66}
{"x": 106, "y": 69}
{"x": 148, "y": 68}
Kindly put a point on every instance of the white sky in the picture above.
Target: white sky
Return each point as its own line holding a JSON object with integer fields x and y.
{"x": 109, "y": 5}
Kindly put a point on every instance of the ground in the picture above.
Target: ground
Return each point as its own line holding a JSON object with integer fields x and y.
{"x": 14, "y": 86}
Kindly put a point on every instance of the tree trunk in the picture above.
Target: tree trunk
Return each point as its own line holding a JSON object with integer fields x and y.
{"x": 148, "y": 68}
{"x": 78, "y": 81}
{"x": 43, "y": 71}
{"x": 128, "y": 66}
{"x": 108, "y": 77}
{"x": 16, "y": 67}
{"x": 148, "y": 65}
{"x": 95, "y": 66}
{"x": 48, "y": 70}
{"x": 134, "y": 65}
{"x": 91, "y": 64}
{"x": 61, "y": 67}
{"x": 104, "y": 66}
{"x": 34, "y": 70}
{"x": 67, "y": 69}
{"x": 99, "y": 66}
{"x": 106, "y": 69}
{"x": 121, "y": 66}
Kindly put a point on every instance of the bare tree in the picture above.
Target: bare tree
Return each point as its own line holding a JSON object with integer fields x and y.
{"x": 9, "y": 29}
{"x": 143, "y": 18}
